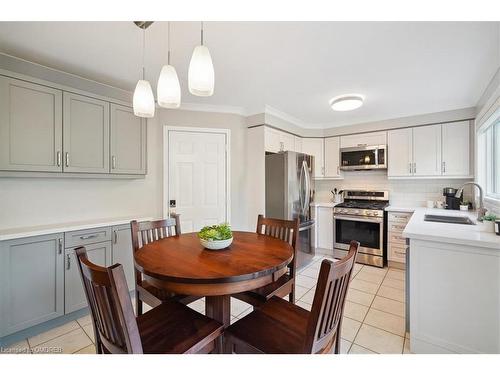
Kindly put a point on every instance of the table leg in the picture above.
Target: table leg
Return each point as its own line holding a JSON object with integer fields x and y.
{"x": 219, "y": 308}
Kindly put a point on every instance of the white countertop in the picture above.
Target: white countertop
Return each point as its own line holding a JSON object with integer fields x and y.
{"x": 23, "y": 232}
{"x": 324, "y": 204}
{"x": 400, "y": 209}
{"x": 461, "y": 234}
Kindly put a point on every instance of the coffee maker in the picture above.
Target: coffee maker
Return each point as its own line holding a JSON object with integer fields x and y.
{"x": 452, "y": 203}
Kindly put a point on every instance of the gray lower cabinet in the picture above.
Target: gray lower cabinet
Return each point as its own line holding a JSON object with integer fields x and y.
{"x": 30, "y": 127}
{"x": 31, "y": 281}
{"x": 123, "y": 253}
{"x": 85, "y": 134}
{"x": 74, "y": 295}
{"x": 128, "y": 141}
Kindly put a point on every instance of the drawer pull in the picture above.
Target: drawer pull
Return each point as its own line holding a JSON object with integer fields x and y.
{"x": 68, "y": 261}
{"x": 59, "y": 245}
{"x": 88, "y": 237}
{"x": 399, "y": 252}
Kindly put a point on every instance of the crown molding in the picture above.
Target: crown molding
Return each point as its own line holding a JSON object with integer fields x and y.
{"x": 213, "y": 108}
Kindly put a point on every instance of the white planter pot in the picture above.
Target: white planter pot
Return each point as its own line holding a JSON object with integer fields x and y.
{"x": 216, "y": 245}
{"x": 488, "y": 226}
{"x": 464, "y": 207}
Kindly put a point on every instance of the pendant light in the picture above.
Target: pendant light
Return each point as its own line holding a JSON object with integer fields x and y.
{"x": 168, "y": 89}
{"x": 143, "y": 101}
{"x": 201, "y": 71}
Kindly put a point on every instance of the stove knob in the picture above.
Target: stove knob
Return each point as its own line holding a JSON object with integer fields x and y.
{"x": 356, "y": 212}
{"x": 344, "y": 211}
{"x": 369, "y": 213}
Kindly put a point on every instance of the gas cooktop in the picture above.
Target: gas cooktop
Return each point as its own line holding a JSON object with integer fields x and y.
{"x": 365, "y": 205}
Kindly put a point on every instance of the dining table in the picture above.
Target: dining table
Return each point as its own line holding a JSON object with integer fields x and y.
{"x": 180, "y": 264}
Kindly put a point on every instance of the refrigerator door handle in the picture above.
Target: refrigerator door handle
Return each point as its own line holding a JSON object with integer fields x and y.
{"x": 307, "y": 196}
{"x": 301, "y": 181}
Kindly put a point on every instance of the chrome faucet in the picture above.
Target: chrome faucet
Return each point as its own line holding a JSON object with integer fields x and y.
{"x": 481, "y": 211}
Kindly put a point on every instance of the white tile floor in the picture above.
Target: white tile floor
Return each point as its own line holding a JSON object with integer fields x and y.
{"x": 373, "y": 316}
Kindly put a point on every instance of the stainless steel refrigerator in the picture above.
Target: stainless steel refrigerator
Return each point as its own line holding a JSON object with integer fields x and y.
{"x": 289, "y": 193}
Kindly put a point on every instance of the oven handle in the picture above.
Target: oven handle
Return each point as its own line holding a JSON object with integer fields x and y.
{"x": 359, "y": 218}
{"x": 301, "y": 229}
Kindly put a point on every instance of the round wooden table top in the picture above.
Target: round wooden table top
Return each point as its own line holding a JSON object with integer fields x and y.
{"x": 182, "y": 259}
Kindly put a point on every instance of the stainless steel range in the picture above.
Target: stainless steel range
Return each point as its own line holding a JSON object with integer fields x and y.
{"x": 362, "y": 218}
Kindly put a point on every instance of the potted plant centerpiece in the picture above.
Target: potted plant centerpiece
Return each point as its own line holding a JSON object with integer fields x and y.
{"x": 216, "y": 237}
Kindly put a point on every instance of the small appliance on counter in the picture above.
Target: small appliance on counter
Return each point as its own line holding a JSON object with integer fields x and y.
{"x": 452, "y": 203}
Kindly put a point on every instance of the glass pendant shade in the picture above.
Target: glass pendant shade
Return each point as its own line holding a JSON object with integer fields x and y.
{"x": 168, "y": 89}
{"x": 143, "y": 101}
{"x": 201, "y": 76}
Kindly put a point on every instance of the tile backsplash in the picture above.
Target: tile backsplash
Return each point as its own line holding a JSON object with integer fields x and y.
{"x": 406, "y": 193}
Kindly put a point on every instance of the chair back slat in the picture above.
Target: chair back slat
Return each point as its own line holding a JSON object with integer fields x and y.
{"x": 113, "y": 317}
{"x": 146, "y": 232}
{"x": 329, "y": 299}
{"x": 285, "y": 230}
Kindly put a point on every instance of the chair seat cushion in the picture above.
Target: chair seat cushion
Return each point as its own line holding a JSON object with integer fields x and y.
{"x": 175, "y": 328}
{"x": 277, "y": 327}
{"x": 280, "y": 288}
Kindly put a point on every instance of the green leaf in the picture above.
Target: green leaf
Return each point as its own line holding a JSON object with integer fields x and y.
{"x": 216, "y": 232}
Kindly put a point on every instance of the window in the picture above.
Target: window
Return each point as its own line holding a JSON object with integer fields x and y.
{"x": 489, "y": 157}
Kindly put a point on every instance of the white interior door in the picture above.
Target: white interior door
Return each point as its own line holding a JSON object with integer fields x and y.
{"x": 197, "y": 178}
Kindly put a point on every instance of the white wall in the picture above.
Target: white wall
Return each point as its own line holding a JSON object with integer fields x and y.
{"x": 404, "y": 193}
{"x": 44, "y": 201}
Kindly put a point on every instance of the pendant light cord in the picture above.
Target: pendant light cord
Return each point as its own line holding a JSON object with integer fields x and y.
{"x": 168, "y": 44}
{"x": 201, "y": 32}
{"x": 143, "y": 52}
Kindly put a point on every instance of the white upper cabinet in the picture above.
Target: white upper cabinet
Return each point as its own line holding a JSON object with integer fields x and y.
{"x": 430, "y": 151}
{"x": 30, "y": 127}
{"x": 332, "y": 157}
{"x": 427, "y": 150}
{"x": 400, "y": 152}
{"x": 298, "y": 144}
{"x": 276, "y": 140}
{"x": 365, "y": 139}
{"x": 85, "y": 134}
{"x": 315, "y": 147}
{"x": 456, "y": 153}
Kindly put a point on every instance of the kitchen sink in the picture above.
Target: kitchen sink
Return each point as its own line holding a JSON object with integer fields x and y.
{"x": 449, "y": 219}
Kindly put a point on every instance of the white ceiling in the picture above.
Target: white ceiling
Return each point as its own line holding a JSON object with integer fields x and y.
{"x": 403, "y": 68}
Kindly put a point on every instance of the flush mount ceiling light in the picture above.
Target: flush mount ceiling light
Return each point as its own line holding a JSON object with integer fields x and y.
{"x": 143, "y": 100}
{"x": 168, "y": 89}
{"x": 201, "y": 71}
{"x": 346, "y": 102}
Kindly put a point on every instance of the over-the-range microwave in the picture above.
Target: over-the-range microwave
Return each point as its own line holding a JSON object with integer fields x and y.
{"x": 363, "y": 157}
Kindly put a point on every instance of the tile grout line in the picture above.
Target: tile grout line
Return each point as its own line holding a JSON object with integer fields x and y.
{"x": 363, "y": 322}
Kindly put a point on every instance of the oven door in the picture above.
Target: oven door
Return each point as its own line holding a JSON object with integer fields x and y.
{"x": 369, "y": 232}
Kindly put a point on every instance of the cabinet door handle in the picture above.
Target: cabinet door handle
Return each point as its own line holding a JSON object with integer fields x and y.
{"x": 113, "y": 162}
{"x": 338, "y": 169}
{"x": 67, "y": 159}
{"x": 58, "y": 158}
{"x": 362, "y": 144}
{"x": 323, "y": 171}
{"x": 444, "y": 167}
{"x": 115, "y": 236}
{"x": 68, "y": 261}
{"x": 59, "y": 246}
{"x": 414, "y": 167}
{"x": 88, "y": 237}
{"x": 409, "y": 167}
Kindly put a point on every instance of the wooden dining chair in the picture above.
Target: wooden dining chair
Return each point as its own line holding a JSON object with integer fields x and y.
{"x": 286, "y": 230}
{"x": 169, "y": 328}
{"x": 279, "y": 327}
{"x": 143, "y": 233}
